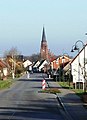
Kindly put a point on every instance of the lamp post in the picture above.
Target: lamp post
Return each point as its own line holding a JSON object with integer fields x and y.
{"x": 59, "y": 71}
{"x": 13, "y": 67}
{"x": 77, "y": 48}
{"x": 63, "y": 66}
{"x": 85, "y": 72}
{"x": 72, "y": 50}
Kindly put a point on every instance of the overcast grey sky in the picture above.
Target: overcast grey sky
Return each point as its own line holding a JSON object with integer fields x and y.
{"x": 21, "y": 23}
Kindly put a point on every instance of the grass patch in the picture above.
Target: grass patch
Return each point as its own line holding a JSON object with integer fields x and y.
{"x": 65, "y": 85}
{"x": 51, "y": 90}
{"x": 5, "y": 83}
{"x": 78, "y": 92}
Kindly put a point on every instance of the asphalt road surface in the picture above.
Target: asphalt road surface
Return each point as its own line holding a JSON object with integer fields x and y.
{"x": 25, "y": 101}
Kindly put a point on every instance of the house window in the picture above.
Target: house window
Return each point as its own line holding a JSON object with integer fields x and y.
{"x": 63, "y": 60}
{"x": 56, "y": 61}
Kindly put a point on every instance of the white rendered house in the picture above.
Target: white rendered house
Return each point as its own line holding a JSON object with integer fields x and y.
{"x": 79, "y": 67}
{"x": 27, "y": 63}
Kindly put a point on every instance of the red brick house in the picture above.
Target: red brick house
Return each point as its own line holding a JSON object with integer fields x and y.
{"x": 60, "y": 61}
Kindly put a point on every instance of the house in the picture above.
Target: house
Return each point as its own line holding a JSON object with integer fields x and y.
{"x": 27, "y": 63}
{"x": 43, "y": 66}
{"x": 67, "y": 73}
{"x": 67, "y": 68}
{"x": 79, "y": 68}
{"x": 36, "y": 64}
{"x": 62, "y": 60}
{"x": 3, "y": 70}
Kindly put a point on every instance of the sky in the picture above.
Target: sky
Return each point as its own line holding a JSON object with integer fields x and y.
{"x": 21, "y": 24}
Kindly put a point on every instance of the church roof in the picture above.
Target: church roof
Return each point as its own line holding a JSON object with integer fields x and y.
{"x": 43, "y": 36}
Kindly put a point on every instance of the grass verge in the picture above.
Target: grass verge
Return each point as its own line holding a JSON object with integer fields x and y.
{"x": 78, "y": 92}
{"x": 5, "y": 83}
{"x": 51, "y": 90}
{"x": 65, "y": 85}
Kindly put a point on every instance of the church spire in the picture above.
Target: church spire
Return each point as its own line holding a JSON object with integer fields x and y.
{"x": 44, "y": 46}
{"x": 43, "y": 35}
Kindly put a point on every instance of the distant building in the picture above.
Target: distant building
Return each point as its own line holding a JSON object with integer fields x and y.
{"x": 36, "y": 64}
{"x": 44, "y": 47}
{"x": 45, "y": 53}
{"x": 60, "y": 61}
{"x": 43, "y": 66}
{"x": 27, "y": 63}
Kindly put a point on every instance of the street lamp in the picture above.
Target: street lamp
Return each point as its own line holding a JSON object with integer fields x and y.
{"x": 72, "y": 50}
{"x": 63, "y": 66}
{"x": 75, "y": 47}
{"x": 13, "y": 67}
{"x": 85, "y": 72}
{"x": 59, "y": 71}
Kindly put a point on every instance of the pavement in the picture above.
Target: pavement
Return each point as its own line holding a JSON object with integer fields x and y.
{"x": 71, "y": 103}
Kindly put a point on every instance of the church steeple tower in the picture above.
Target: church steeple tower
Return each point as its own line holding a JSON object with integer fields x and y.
{"x": 44, "y": 47}
{"x": 43, "y": 35}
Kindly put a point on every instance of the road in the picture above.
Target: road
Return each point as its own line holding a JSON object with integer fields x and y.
{"x": 25, "y": 101}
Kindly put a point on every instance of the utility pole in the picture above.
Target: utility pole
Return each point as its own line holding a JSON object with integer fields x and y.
{"x": 13, "y": 67}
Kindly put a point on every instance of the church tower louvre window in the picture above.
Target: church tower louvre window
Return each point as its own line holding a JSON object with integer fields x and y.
{"x": 44, "y": 46}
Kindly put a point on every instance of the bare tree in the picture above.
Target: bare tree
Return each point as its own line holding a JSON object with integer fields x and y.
{"x": 12, "y": 52}
{"x": 11, "y": 59}
{"x": 33, "y": 57}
